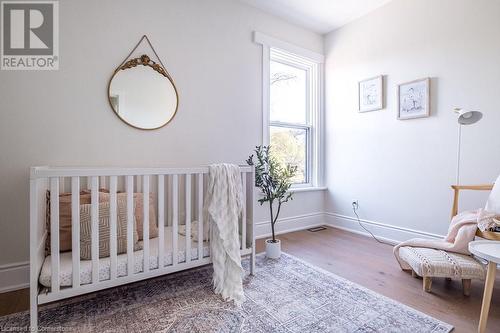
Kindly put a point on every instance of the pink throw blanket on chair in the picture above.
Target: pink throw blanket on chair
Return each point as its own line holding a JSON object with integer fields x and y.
{"x": 460, "y": 232}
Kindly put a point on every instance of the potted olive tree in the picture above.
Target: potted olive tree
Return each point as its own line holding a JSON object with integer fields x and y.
{"x": 274, "y": 180}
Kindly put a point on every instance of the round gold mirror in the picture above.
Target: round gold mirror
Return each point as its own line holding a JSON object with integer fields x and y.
{"x": 143, "y": 94}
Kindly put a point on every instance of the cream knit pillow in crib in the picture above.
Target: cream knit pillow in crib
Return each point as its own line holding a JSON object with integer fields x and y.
{"x": 194, "y": 231}
{"x": 104, "y": 235}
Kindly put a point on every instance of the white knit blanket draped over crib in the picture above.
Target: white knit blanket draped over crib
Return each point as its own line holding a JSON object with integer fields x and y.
{"x": 223, "y": 207}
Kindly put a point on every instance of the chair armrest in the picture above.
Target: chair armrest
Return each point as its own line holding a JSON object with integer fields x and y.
{"x": 457, "y": 188}
{"x": 486, "y": 187}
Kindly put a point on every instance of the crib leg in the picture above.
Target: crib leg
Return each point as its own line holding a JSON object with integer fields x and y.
{"x": 252, "y": 263}
{"x": 33, "y": 314}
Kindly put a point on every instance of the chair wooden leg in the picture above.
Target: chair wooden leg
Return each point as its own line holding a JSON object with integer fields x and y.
{"x": 427, "y": 283}
{"x": 466, "y": 286}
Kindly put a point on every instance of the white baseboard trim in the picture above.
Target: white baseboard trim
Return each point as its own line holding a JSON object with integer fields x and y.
{"x": 386, "y": 232}
{"x": 289, "y": 224}
{"x": 14, "y": 276}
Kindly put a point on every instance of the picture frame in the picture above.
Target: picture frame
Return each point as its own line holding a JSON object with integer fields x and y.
{"x": 414, "y": 99}
{"x": 371, "y": 94}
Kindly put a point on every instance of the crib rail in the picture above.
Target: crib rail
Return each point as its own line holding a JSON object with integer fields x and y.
{"x": 45, "y": 171}
{"x": 176, "y": 195}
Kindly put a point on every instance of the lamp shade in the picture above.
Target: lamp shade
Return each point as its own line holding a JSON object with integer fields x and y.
{"x": 466, "y": 117}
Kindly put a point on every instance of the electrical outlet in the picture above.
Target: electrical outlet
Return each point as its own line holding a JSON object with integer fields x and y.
{"x": 355, "y": 205}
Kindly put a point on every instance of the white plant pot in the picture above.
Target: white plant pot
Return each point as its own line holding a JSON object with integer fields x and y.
{"x": 273, "y": 250}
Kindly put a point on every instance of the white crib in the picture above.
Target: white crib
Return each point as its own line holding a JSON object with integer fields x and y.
{"x": 178, "y": 194}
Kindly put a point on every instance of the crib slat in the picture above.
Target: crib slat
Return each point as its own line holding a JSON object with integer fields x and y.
{"x": 130, "y": 224}
{"x": 168, "y": 195}
{"x": 244, "y": 212}
{"x": 161, "y": 221}
{"x": 54, "y": 233}
{"x": 102, "y": 182}
{"x": 138, "y": 184}
{"x": 112, "y": 225}
{"x": 175, "y": 218}
{"x": 94, "y": 209}
{"x": 200, "y": 216}
{"x": 75, "y": 229}
{"x": 188, "y": 218}
{"x": 145, "y": 222}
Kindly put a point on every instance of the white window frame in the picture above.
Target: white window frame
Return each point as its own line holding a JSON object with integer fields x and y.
{"x": 289, "y": 54}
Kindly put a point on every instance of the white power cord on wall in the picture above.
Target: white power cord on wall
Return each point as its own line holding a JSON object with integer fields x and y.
{"x": 355, "y": 207}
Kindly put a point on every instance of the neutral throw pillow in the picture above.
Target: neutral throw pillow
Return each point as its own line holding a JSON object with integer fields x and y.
{"x": 65, "y": 217}
{"x": 104, "y": 230}
{"x": 493, "y": 203}
{"x": 138, "y": 207}
{"x": 85, "y": 198}
{"x": 139, "y": 216}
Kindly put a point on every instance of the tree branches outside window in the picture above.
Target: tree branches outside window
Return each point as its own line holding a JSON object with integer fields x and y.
{"x": 281, "y": 76}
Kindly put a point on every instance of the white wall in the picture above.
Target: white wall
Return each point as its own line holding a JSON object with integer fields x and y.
{"x": 400, "y": 171}
{"x": 63, "y": 117}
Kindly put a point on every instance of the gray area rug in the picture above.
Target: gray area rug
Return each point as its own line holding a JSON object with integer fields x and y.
{"x": 285, "y": 295}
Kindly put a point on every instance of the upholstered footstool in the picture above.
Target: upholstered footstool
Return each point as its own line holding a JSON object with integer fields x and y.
{"x": 429, "y": 263}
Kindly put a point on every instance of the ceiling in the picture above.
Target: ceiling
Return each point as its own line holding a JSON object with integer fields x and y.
{"x": 320, "y": 16}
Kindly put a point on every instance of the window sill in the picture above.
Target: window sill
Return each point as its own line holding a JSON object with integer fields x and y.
{"x": 308, "y": 189}
{"x": 301, "y": 189}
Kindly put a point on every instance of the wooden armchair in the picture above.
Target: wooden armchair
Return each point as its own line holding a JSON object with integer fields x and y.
{"x": 429, "y": 263}
{"x": 454, "y": 210}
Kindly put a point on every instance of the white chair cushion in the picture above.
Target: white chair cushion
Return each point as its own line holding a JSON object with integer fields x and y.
{"x": 493, "y": 203}
{"x": 438, "y": 263}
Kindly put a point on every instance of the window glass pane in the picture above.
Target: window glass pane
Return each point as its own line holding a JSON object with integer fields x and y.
{"x": 289, "y": 147}
{"x": 288, "y": 93}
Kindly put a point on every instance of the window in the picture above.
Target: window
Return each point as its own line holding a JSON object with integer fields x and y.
{"x": 289, "y": 126}
{"x": 292, "y": 107}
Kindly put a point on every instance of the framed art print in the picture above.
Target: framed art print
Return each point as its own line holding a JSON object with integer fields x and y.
{"x": 414, "y": 99}
{"x": 371, "y": 94}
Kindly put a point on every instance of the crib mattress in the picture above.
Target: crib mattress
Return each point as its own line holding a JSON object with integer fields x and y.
{"x": 66, "y": 266}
